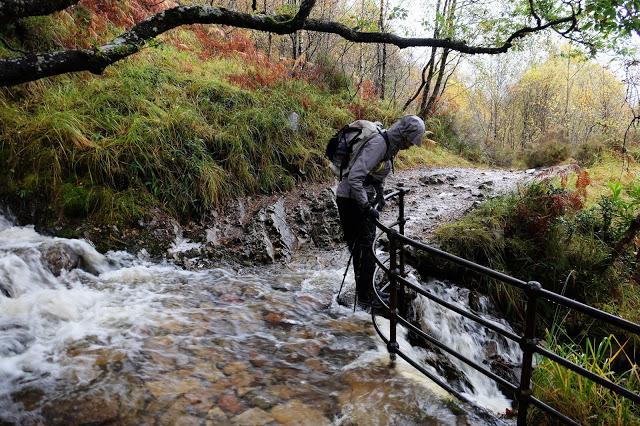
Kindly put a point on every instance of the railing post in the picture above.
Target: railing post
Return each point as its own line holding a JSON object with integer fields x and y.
{"x": 528, "y": 347}
{"x": 401, "y": 221}
{"x": 401, "y": 225}
{"x": 393, "y": 346}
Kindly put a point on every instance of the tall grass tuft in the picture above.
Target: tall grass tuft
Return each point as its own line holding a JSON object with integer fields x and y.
{"x": 164, "y": 125}
{"x": 580, "y": 398}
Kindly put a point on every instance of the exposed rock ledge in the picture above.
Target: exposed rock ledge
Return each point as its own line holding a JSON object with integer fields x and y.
{"x": 267, "y": 229}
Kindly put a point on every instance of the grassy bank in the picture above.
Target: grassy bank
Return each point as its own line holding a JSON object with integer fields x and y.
{"x": 195, "y": 120}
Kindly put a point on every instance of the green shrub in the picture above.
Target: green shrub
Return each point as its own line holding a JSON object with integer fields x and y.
{"x": 545, "y": 154}
{"x": 445, "y": 135}
{"x": 543, "y": 233}
{"x": 589, "y": 153}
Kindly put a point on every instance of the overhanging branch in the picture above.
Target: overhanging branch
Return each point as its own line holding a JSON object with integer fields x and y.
{"x": 404, "y": 42}
{"x": 32, "y": 67}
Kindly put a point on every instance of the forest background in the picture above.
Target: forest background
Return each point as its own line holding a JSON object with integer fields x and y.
{"x": 110, "y": 156}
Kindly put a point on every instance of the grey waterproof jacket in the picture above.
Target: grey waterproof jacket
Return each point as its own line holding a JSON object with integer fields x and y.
{"x": 409, "y": 128}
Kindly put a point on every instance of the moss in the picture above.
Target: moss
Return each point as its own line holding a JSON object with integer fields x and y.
{"x": 78, "y": 201}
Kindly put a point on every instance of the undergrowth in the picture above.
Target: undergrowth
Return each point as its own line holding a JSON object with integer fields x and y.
{"x": 549, "y": 231}
{"x": 582, "y": 399}
{"x": 196, "y": 118}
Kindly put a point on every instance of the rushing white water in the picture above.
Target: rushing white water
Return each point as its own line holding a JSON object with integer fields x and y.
{"x": 468, "y": 338}
{"x": 130, "y": 328}
{"x": 42, "y": 314}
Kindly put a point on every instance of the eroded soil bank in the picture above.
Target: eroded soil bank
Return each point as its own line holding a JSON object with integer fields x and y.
{"x": 268, "y": 229}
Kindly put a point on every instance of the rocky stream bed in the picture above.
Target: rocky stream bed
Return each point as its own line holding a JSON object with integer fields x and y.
{"x": 239, "y": 324}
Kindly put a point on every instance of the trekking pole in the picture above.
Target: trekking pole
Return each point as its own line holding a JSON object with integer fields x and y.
{"x": 346, "y": 270}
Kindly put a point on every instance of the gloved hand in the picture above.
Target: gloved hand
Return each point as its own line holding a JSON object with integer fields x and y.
{"x": 380, "y": 203}
{"x": 372, "y": 213}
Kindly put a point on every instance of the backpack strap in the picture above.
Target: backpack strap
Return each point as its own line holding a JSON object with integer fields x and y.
{"x": 387, "y": 153}
{"x": 343, "y": 134}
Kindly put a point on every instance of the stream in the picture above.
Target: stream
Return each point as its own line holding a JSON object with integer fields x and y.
{"x": 121, "y": 339}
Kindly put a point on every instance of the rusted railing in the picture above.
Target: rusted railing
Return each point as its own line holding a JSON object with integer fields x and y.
{"x": 528, "y": 342}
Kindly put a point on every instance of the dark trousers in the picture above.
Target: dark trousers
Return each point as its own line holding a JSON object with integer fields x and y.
{"x": 359, "y": 232}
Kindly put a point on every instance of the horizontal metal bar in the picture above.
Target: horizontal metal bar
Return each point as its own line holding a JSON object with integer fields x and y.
{"x": 551, "y": 410}
{"x": 589, "y": 375}
{"x": 462, "y": 358}
{"x": 396, "y": 193}
{"x": 591, "y": 311}
{"x": 471, "y": 316}
{"x": 464, "y": 262}
{"x": 444, "y": 385}
{"x": 398, "y": 222}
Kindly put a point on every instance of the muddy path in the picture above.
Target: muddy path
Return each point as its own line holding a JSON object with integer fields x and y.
{"x": 277, "y": 228}
{"x": 440, "y": 195}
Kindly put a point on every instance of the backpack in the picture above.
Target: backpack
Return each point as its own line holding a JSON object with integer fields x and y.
{"x": 345, "y": 146}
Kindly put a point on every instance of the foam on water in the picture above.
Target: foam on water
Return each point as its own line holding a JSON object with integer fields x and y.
{"x": 467, "y": 338}
{"x": 42, "y": 314}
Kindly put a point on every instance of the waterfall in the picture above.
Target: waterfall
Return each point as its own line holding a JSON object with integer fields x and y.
{"x": 468, "y": 338}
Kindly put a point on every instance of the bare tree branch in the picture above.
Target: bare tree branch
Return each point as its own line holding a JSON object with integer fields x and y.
{"x": 404, "y": 42}
{"x": 32, "y": 67}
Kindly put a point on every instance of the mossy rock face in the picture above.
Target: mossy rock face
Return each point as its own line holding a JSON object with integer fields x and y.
{"x": 78, "y": 201}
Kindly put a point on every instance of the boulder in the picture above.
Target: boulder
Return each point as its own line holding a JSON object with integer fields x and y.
{"x": 59, "y": 256}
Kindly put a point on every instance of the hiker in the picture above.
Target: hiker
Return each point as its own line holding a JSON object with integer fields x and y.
{"x": 360, "y": 196}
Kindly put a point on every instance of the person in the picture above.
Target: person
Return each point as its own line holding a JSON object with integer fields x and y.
{"x": 360, "y": 197}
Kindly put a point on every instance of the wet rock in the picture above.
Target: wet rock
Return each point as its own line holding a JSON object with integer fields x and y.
{"x": 29, "y": 397}
{"x": 485, "y": 186}
{"x": 253, "y": 417}
{"x": 282, "y": 287}
{"x": 347, "y": 296}
{"x": 242, "y": 381}
{"x": 269, "y": 237}
{"x": 261, "y": 399}
{"x": 216, "y": 416}
{"x": 279, "y": 319}
{"x": 185, "y": 420}
{"x": 317, "y": 365}
{"x": 508, "y": 371}
{"x": 164, "y": 388}
{"x": 230, "y": 404}
{"x": 437, "y": 179}
{"x": 274, "y": 318}
{"x": 198, "y": 401}
{"x": 258, "y": 360}
{"x": 282, "y": 391}
{"x": 90, "y": 409}
{"x": 474, "y": 301}
{"x": 287, "y": 241}
{"x": 323, "y": 221}
{"x": 234, "y": 367}
{"x": 59, "y": 257}
{"x": 491, "y": 350}
{"x": 297, "y": 413}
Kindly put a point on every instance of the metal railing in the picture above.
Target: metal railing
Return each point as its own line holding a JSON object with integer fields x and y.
{"x": 528, "y": 342}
